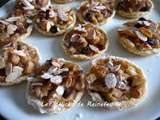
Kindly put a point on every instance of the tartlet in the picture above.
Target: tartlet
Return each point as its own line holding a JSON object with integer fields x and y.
{"x": 96, "y": 11}
{"x": 117, "y": 82}
{"x": 17, "y": 61}
{"x": 140, "y": 37}
{"x": 134, "y": 8}
{"x": 62, "y": 1}
{"x": 57, "y": 86}
{"x": 14, "y": 28}
{"x": 28, "y": 7}
{"x": 85, "y": 41}
{"x": 54, "y": 21}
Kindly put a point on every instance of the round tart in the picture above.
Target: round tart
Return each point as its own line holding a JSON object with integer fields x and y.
{"x": 141, "y": 37}
{"x": 62, "y": 1}
{"x": 85, "y": 41}
{"x": 54, "y": 21}
{"x": 116, "y": 82}
{"x": 96, "y": 11}
{"x": 17, "y": 61}
{"x": 28, "y": 7}
{"x": 56, "y": 86}
{"x": 134, "y": 8}
{"x": 14, "y": 28}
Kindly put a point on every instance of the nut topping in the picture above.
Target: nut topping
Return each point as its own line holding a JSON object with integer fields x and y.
{"x": 85, "y": 39}
{"x": 125, "y": 83}
{"x": 141, "y": 33}
{"x": 111, "y": 80}
{"x": 95, "y": 12}
{"x": 56, "y": 81}
{"x": 60, "y": 90}
{"x": 16, "y": 72}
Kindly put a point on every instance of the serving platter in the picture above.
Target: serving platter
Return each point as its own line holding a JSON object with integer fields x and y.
{"x": 13, "y": 104}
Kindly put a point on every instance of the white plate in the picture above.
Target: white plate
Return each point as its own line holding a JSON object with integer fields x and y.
{"x": 13, "y": 104}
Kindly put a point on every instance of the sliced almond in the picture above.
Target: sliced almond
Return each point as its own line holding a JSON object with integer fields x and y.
{"x": 111, "y": 80}
{"x": 46, "y": 76}
{"x": 62, "y": 14}
{"x": 52, "y": 14}
{"x": 11, "y": 29}
{"x": 20, "y": 53}
{"x": 60, "y": 90}
{"x": 4, "y": 22}
{"x": 93, "y": 48}
{"x": 80, "y": 28}
{"x": 28, "y": 5}
{"x": 17, "y": 72}
{"x": 141, "y": 36}
{"x": 96, "y": 97}
{"x": 56, "y": 79}
{"x": 121, "y": 85}
{"x": 12, "y": 19}
{"x": 49, "y": 25}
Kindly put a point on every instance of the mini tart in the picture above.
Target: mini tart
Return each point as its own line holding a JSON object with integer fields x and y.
{"x": 134, "y": 8}
{"x": 85, "y": 41}
{"x": 96, "y": 11}
{"x": 54, "y": 21}
{"x": 14, "y": 28}
{"x": 28, "y": 7}
{"x": 117, "y": 82}
{"x": 17, "y": 61}
{"x": 62, "y": 1}
{"x": 57, "y": 86}
{"x": 141, "y": 37}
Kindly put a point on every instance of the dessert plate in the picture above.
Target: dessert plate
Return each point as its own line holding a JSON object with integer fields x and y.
{"x": 13, "y": 104}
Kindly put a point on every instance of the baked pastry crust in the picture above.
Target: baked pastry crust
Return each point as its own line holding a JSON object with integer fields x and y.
{"x": 62, "y": 1}
{"x": 57, "y": 86}
{"x": 28, "y": 7}
{"x": 96, "y": 12}
{"x": 140, "y": 37}
{"x": 14, "y": 29}
{"x": 85, "y": 41}
{"x": 116, "y": 81}
{"x": 54, "y": 21}
{"x": 137, "y": 12}
{"x": 17, "y": 61}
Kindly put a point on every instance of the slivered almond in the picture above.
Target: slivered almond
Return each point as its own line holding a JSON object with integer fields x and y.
{"x": 56, "y": 79}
